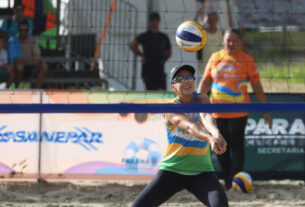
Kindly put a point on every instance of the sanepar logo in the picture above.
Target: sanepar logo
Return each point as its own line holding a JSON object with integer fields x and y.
{"x": 80, "y": 135}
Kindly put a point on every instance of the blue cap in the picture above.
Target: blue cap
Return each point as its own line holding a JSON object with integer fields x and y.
{"x": 176, "y": 69}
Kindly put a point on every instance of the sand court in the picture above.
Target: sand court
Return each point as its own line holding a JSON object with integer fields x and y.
{"x": 96, "y": 193}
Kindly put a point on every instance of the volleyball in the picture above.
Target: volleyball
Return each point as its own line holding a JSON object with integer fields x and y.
{"x": 190, "y": 36}
{"x": 242, "y": 181}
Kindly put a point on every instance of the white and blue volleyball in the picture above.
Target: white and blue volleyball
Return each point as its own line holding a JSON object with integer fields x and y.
{"x": 242, "y": 181}
{"x": 190, "y": 36}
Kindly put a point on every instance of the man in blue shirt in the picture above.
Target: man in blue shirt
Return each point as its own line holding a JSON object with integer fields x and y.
{"x": 24, "y": 54}
{"x": 10, "y": 25}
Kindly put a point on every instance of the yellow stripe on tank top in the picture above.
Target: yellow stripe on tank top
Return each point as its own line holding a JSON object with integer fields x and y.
{"x": 178, "y": 149}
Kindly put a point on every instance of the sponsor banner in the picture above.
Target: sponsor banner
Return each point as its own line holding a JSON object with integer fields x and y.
{"x": 121, "y": 144}
{"x": 83, "y": 144}
{"x": 279, "y": 149}
{"x": 102, "y": 144}
{"x": 129, "y": 144}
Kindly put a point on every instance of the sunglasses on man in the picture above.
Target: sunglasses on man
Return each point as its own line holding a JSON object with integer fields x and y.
{"x": 181, "y": 79}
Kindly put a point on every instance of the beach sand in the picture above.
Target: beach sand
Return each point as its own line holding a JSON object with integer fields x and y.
{"x": 84, "y": 193}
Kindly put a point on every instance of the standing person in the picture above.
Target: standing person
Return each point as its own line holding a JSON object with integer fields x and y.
{"x": 227, "y": 74}
{"x": 24, "y": 53}
{"x": 10, "y": 25}
{"x": 187, "y": 162}
{"x": 156, "y": 49}
{"x": 214, "y": 37}
{"x": 6, "y": 70}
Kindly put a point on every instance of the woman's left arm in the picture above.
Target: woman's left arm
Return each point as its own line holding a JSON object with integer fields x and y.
{"x": 259, "y": 93}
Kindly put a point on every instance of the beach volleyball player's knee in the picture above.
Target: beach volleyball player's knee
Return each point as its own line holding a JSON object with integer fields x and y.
{"x": 217, "y": 199}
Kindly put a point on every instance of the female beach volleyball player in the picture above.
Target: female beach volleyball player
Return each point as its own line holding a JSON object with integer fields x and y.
{"x": 187, "y": 162}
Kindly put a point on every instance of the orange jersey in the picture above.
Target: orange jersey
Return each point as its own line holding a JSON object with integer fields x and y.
{"x": 230, "y": 75}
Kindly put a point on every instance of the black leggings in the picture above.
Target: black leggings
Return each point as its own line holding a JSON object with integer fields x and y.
{"x": 232, "y": 161}
{"x": 165, "y": 184}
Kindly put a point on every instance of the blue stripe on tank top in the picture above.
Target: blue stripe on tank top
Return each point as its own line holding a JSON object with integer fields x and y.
{"x": 185, "y": 142}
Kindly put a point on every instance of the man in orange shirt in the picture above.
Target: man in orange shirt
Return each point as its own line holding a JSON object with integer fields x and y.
{"x": 227, "y": 74}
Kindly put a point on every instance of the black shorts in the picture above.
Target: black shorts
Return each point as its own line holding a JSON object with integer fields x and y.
{"x": 205, "y": 186}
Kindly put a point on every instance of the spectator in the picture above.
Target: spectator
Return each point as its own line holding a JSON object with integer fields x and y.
{"x": 24, "y": 53}
{"x": 214, "y": 37}
{"x": 156, "y": 49}
{"x": 6, "y": 70}
{"x": 10, "y": 25}
{"x": 228, "y": 72}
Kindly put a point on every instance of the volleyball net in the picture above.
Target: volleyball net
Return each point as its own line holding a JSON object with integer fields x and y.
{"x": 272, "y": 33}
{"x": 97, "y": 33}
{"x": 121, "y": 135}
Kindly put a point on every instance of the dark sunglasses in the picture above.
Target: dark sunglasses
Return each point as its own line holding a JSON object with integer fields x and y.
{"x": 181, "y": 79}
